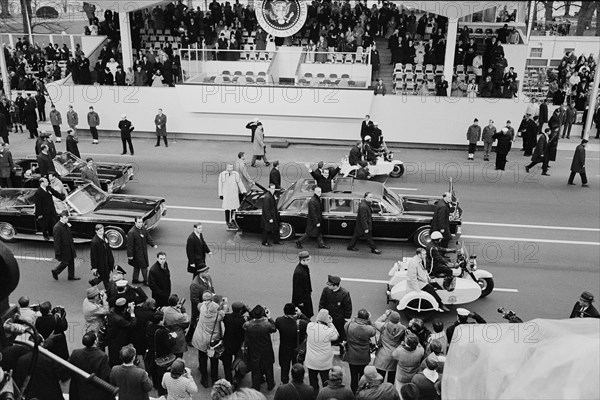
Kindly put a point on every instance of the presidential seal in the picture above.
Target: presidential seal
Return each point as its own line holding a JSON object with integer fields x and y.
{"x": 281, "y": 18}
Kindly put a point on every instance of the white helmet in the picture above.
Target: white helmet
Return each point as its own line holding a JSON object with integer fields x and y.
{"x": 436, "y": 235}
{"x": 367, "y": 138}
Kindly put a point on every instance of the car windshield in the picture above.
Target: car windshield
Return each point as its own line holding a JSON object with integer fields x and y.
{"x": 392, "y": 198}
{"x": 66, "y": 163}
{"x": 286, "y": 195}
{"x": 87, "y": 199}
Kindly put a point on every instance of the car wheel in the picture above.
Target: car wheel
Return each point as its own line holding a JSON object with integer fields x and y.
{"x": 398, "y": 171}
{"x": 115, "y": 237}
{"x": 7, "y": 232}
{"x": 286, "y": 231}
{"x": 487, "y": 286}
{"x": 411, "y": 310}
{"x": 422, "y": 236}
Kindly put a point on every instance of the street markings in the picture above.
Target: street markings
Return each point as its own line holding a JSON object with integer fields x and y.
{"x": 385, "y": 282}
{"x": 196, "y": 208}
{"x": 29, "y": 258}
{"x": 516, "y": 239}
{"x": 562, "y": 228}
{"x": 193, "y": 220}
{"x": 399, "y": 188}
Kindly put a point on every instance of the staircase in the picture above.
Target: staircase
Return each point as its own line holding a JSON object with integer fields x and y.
{"x": 385, "y": 56}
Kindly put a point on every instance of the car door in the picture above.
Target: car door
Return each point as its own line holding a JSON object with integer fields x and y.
{"x": 25, "y": 221}
{"x": 340, "y": 216}
{"x": 296, "y": 214}
{"x": 385, "y": 224}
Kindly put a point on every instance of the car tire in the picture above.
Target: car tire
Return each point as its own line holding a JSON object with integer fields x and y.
{"x": 7, "y": 232}
{"x": 487, "y": 286}
{"x": 116, "y": 237}
{"x": 422, "y": 237}
{"x": 398, "y": 171}
{"x": 286, "y": 231}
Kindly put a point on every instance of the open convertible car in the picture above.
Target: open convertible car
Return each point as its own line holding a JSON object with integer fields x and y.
{"x": 112, "y": 176}
{"x": 88, "y": 206}
{"x": 395, "y": 217}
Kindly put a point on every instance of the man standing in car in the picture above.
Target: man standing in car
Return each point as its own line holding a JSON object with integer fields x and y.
{"x": 364, "y": 225}
{"x": 441, "y": 218}
{"x": 313, "y": 222}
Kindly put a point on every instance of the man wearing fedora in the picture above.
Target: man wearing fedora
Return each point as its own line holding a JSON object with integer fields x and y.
{"x": 201, "y": 283}
{"x": 584, "y": 308}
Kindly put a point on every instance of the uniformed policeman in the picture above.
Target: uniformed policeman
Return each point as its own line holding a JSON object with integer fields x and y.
{"x": 463, "y": 318}
{"x": 437, "y": 262}
{"x": 337, "y": 301}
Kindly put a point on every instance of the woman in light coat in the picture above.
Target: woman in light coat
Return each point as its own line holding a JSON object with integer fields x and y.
{"x": 319, "y": 354}
{"x": 230, "y": 186}
{"x": 208, "y": 330}
{"x": 391, "y": 335}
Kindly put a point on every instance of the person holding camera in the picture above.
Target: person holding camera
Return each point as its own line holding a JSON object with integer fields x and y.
{"x": 391, "y": 333}
{"x": 159, "y": 280}
{"x": 119, "y": 330}
{"x": 176, "y": 321}
{"x": 359, "y": 332}
{"x": 95, "y": 310}
{"x": 260, "y": 348}
{"x": 292, "y": 332}
{"x": 135, "y": 295}
{"x": 463, "y": 316}
{"x": 201, "y": 283}
{"x": 179, "y": 382}
{"x": 233, "y": 338}
{"x": 53, "y": 323}
{"x": 319, "y": 353}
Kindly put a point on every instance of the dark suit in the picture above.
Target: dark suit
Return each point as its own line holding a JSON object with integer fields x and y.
{"x": 269, "y": 213}
{"x": 90, "y": 175}
{"x": 159, "y": 280}
{"x": 260, "y": 350}
{"x": 302, "y": 289}
{"x": 126, "y": 129}
{"x": 64, "y": 248}
{"x": 101, "y": 258}
{"x": 441, "y": 221}
{"x": 91, "y": 360}
{"x": 355, "y": 155}
{"x": 292, "y": 332}
{"x": 275, "y": 178}
{"x": 578, "y": 165}
{"x": 45, "y": 212}
{"x": 530, "y": 136}
{"x": 137, "y": 250}
{"x": 589, "y": 312}
{"x": 45, "y": 164}
{"x": 540, "y": 154}
{"x": 543, "y": 115}
{"x": 502, "y": 148}
{"x": 119, "y": 331}
{"x": 196, "y": 250}
{"x": 364, "y": 222}
{"x": 72, "y": 145}
{"x": 315, "y": 217}
{"x": 325, "y": 183}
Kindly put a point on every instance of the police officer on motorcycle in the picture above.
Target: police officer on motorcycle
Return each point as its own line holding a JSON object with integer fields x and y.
{"x": 438, "y": 264}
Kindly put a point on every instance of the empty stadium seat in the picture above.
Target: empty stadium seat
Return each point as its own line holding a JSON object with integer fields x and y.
{"x": 429, "y": 69}
{"x": 345, "y": 76}
{"x": 261, "y": 81}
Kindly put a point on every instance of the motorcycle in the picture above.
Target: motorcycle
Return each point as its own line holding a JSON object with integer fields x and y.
{"x": 385, "y": 165}
{"x": 471, "y": 283}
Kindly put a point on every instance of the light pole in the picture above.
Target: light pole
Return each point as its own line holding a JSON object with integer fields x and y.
{"x": 4, "y": 70}
{"x": 592, "y": 107}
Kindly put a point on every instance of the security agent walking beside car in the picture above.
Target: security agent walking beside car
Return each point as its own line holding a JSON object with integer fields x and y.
{"x": 64, "y": 247}
{"x": 72, "y": 145}
{"x": 159, "y": 280}
{"x": 336, "y": 300}
{"x": 313, "y": 221}
{"x": 126, "y": 128}
{"x": 45, "y": 213}
{"x": 101, "y": 256}
{"x": 138, "y": 239}
{"x": 364, "y": 225}
{"x": 269, "y": 220}
{"x": 441, "y": 218}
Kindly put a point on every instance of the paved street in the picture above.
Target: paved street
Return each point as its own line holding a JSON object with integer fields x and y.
{"x": 539, "y": 237}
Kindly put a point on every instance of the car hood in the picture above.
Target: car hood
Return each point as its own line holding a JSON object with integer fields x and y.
{"x": 127, "y": 206}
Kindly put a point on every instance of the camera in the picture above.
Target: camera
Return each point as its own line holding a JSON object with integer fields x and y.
{"x": 59, "y": 310}
{"x": 510, "y": 315}
{"x": 35, "y": 307}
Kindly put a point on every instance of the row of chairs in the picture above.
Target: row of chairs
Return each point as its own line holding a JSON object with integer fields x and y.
{"x": 416, "y": 68}
{"x": 160, "y": 38}
{"x": 460, "y": 69}
{"x": 340, "y": 58}
{"x": 344, "y": 82}
{"x": 239, "y": 73}
{"x": 321, "y": 76}
{"x": 237, "y": 79}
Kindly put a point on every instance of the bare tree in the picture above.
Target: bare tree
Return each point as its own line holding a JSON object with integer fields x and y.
{"x": 584, "y": 19}
{"x": 568, "y": 8}
{"x": 26, "y": 15}
{"x": 4, "y": 8}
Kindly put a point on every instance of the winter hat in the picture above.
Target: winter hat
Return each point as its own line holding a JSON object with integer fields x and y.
{"x": 221, "y": 389}
{"x": 257, "y": 312}
{"x": 394, "y": 317}
{"x": 237, "y": 306}
{"x": 336, "y": 374}
{"x": 207, "y": 295}
{"x": 92, "y": 292}
{"x": 323, "y": 316}
{"x": 371, "y": 374}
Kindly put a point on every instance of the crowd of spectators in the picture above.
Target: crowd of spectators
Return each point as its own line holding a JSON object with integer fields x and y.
{"x": 571, "y": 82}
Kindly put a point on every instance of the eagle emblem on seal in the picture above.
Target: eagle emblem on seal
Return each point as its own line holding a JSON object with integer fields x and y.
{"x": 280, "y": 11}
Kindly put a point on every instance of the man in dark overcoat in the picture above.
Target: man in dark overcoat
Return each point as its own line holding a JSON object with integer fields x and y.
{"x": 543, "y": 115}
{"x": 126, "y": 128}
{"x": 364, "y": 225}
{"x": 301, "y": 285}
{"x": 101, "y": 256}
{"x": 441, "y": 218}
{"x": 313, "y": 221}
{"x": 269, "y": 221}
{"x": 578, "y": 164}
{"x": 45, "y": 212}
{"x": 45, "y": 163}
{"x": 93, "y": 361}
{"x": 64, "y": 247}
{"x": 138, "y": 239}
{"x": 159, "y": 280}
{"x": 275, "y": 175}
{"x": 196, "y": 250}
{"x": 540, "y": 153}
{"x": 260, "y": 348}
{"x": 161, "y": 128}
{"x": 502, "y": 147}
